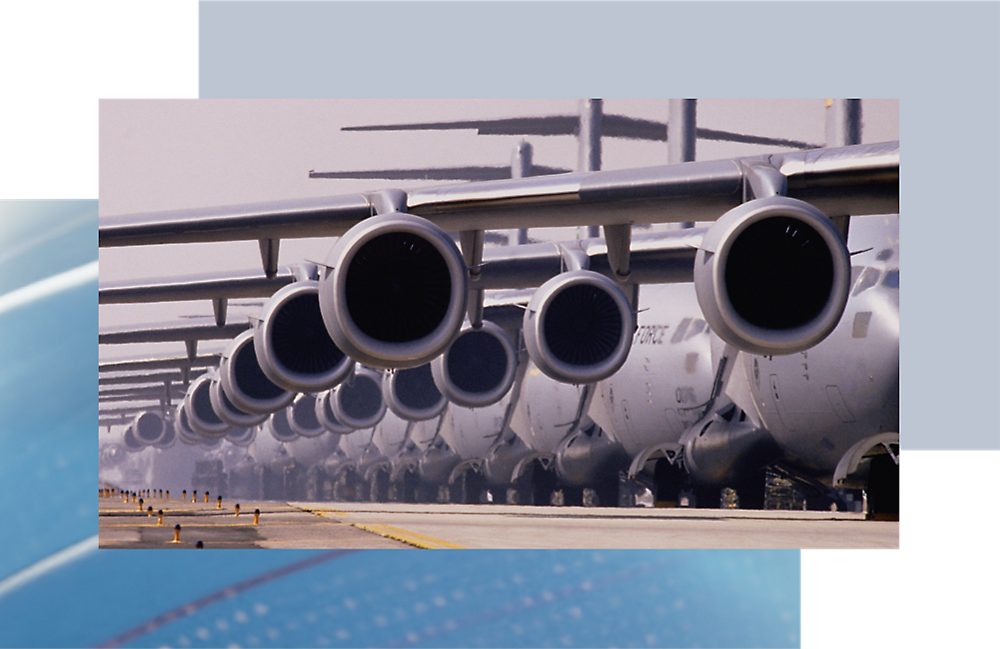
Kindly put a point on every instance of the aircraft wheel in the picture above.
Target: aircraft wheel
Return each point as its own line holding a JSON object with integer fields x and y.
{"x": 751, "y": 491}
{"x": 379, "y": 487}
{"x": 668, "y": 480}
{"x": 883, "y": 489}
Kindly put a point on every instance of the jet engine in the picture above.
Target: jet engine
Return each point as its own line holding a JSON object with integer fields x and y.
{"x": 302, "y": 416}
{"x": 578, "y": 327}
{"x": 201, "y": 416}
{"x": 148, "y": 428}
{"x": 183, "y": 428}
{"x": 132, "y": 444}
{"x": 772, "y": 276}
{"x": 293, "y": 346}
{"x": 242, "y": 437}
{"x": 412, "y": 395}
{"x": 228, "y": 412}
{"x": 478, "y": 369}
{"x": 245, "y": 383}
{"x": 393, "y": 293}
{"x": 277, "y": 424}
{"x": 169, "y": 436}
{"x": 358, "y": 401}
{"x": 326, "y": 416}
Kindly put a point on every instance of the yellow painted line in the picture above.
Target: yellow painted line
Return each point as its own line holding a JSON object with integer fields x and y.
{"x": 406, "y": 536}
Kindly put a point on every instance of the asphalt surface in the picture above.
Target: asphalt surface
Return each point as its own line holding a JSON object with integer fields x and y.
{"x": 326, "y": 525}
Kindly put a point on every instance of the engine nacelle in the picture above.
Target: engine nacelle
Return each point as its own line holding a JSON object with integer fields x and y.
{"x": 148, "y": 428}
{"x": 201, "y": 416}
{"x": 412, "y": 395}
{"x": 169, "y": 436}
{"x": 326, "y": 416}
{"x": 245, "y": 383}
{"x": 393, "y": 293}
{"x": 277, "y": 424}
{"x": 772, "y": 276}
{"x": 478, "y": 369}
{"x": 132, "y": 443}
{"x": 293, "y": 346}
{"x": 302, "y": 416}
{"x": 358, "y": 401}
{"x": 183, "y": 428}
{"x": 242, "y": 437}
{"x": 225, "y": 409}
{"x": 578, "y": 327}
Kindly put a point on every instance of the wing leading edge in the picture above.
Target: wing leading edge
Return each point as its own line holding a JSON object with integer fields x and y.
{"x": 861, "y": 179}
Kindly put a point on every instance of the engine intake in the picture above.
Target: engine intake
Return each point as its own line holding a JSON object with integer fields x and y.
{"x": 358, "y": 402}
{"x": 293, "y": 346}
{"x": 393, "y": 294}
{"x": 242, "y": 437}
{"x": 225, "y": 408}
{"x": 201, "y": 416}
{"x": 412, "y": 395}
{"x": 245, "y": 383}
{"x": 326, "y": 416}
{"x": 148, "y": 428}
{"x": 772, "y": 276}
{"x": 277, "y": 424}
{"x": 302, "y": 416}
{"x": 183, "y": 428}
{"x": 478, "y": 369}
{"x": 578, "y": 327}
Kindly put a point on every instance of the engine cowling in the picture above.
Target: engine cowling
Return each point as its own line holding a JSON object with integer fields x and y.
{"x": 412, "y": 395}
{"x": 201, "y": 416}
{"x": 578, "y": 327}
{"x": 245, "y": 383}
{"x": 302, "y": 416}
{"x": 358, "y": 402}
{"x": 478, "y": 369}
{"x": 169, "y": 436}
{"x": 183, "y": 428}
{"x": 393, "y": 293}
{"x": 132, "y": 443}
{"x": 225, "y": 408}
{"x": 293, "y": 347}
{"x": 772, "y": 276}
{"x": 277, "y": 424}
{"x": 326, "y": 416}
{"x": 242, "y": 437}
{"x": 148, "y": 428}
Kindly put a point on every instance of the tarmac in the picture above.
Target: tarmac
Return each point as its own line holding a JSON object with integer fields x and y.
{"x": 329, "y": 525}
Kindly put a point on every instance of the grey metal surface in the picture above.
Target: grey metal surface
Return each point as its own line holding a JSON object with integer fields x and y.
{"x": 862, "y": 179}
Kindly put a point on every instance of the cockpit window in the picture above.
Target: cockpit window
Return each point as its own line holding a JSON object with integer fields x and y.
{"x": 891, "y": 279}
{"x": 868, "y": 279}
{"x": 885, "y": 254}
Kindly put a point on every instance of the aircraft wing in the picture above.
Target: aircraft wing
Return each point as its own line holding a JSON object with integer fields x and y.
{"x": 861, "y": 179}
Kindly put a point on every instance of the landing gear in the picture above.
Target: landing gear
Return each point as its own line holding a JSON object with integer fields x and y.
{"x": 469, "y": 488}
{"x": 668, "y": 481}
{"x": 534, "y": 486}
{"x": 378, "y": 486}
{"x": 883, "y": 489}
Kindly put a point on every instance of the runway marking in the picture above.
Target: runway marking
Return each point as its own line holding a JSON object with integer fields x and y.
{"x": 421, "y": 541}
{"x": 406, "y": 536}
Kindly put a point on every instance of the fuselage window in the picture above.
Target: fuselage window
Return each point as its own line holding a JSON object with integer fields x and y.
{"x": 891, "y": 279}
